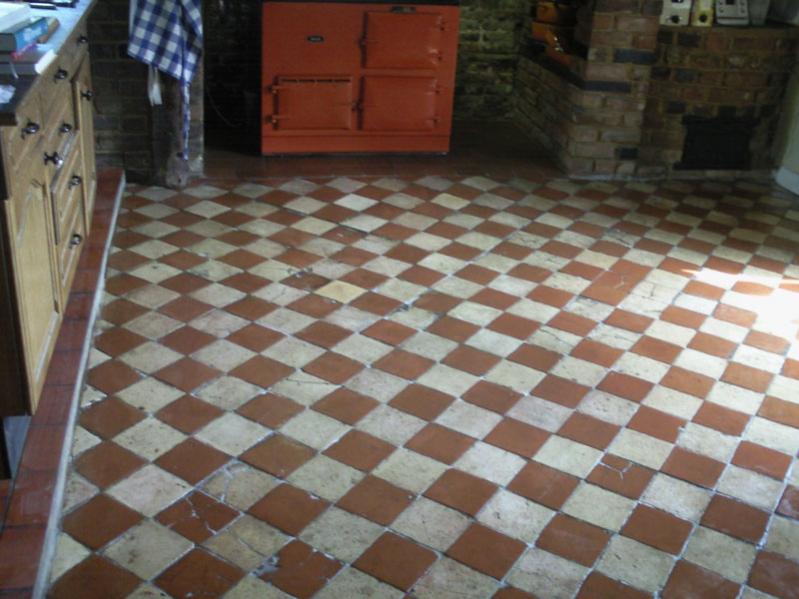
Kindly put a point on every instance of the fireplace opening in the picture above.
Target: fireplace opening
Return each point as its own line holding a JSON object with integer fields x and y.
{"x": 717, "y": 143}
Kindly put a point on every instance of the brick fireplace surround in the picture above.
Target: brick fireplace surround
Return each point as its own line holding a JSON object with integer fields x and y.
{"x": 616, "y": 112}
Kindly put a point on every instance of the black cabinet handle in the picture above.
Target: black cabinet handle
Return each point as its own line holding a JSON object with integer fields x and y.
{"x": 83, "y": 40}
{"x": 76, "y": 240}
{"x": 75, "y": 180}
{"x": 61, "y": 74}
{"x": 87, "y": 95}
{"x": 66, "y": 128}
{"x": 55, "y": 158}
{"x": 31, "y": 128}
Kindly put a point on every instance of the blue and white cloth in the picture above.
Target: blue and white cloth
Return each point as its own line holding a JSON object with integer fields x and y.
{"x": 168, "y": 36}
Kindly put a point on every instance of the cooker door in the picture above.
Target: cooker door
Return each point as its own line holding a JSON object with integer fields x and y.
{"x": 312, "y": 103}
{"x": 399, "y": 104}
{"x": 403, "y": 40}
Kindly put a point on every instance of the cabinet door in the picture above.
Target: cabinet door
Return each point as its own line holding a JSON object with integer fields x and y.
{"x": 399, "y": 104}
{"x": 313, "y": 103}
{"x": 84, "y": 108}
{"x": 36, "y": 279}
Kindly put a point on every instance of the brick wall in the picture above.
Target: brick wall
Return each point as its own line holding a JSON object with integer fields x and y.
{"x": 590, "y": 112}
{"x": 710, "y": 73}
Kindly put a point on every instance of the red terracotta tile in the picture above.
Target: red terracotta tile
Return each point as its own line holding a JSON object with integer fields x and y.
{"x": 185, "y": 309}
{"x": 187, "y": 374}
{"x": 197, "y": 517}
{"x": 573, "y": 539}
{"x": 762, "y": 459}
{"x": 255, "y": 337}
{"x": 440, "y": 443}
{"x": 377, "y": 500}
{"x": 395, "y": 560}
{"x": 301, "y": 571}
{"x": 323, "y": 334}
{"x": 471, "y": 360}
{"x": 288, "y": 508}
{"x": 517, "y": 437}
{"x": 99, "y": 520}
{"x": 656, "y": 424}
{"x": 198, "y": 573}
{"x": 360, "y": 450}
{"x": 404, "y": 364}
{"x": 95, "y": 578}
{"x": 658, "y": 529}
{"x": 774, "y": 574}
{"x": 112, "y": 376}
{"x": 390, "y": 332}
{"x": 690, "y": 580}
{"x": 461, "y": 491}
{"x": 423, "y": 402}
{"x": 766, "y": 342}
{"x": 562, "y": 391}
{"x": 109, "y": 417}
{"x": 683, "y": 317}
{"x": 188, "y": 414}
{"x": 621, "y": 476}
{"x": 106, "y": 463}
{"x": 550, "y": 296}
{"x": 713, "y": 345}
{"x": 544, "y": 485}
{"x": 656, "y": 349}
{"x": 486, "y": 550}
{"x": 452, "y": 328}
{"x": 781, "y": 411}
{"x": 278, "y": 455}
{"x": 588, "y": 430}
{"x": 491, "y": 397}
{"x": 736, "y": 519}
{"x": 270, "y": 410}
{"x": 346, "y": 405}
{"x": 192, "y": 461}
{"x": 721, "y": 419}
{"x": 626, "y": 386}
{"x": 333, "y": 367}
{"x": 187, "y": 340}
{"x": 693, "y": 467}
{"x": 789, "y": 504}
{"x": 747, "y": 377}
{"x": 117, "y": 341}
{"x": 688, "y": 382}
{"x": 572, "y": 323}
{"x": 599, "y": 586}
{"x": 535, "y": 357}
{"x": 598, "y": 353}
{"x": 251, "y": 308}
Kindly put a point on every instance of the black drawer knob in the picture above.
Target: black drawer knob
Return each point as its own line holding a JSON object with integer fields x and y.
{"x": 87, "y": 95}
{"x": 61, "y": 74}
{"x": 75, "y": 180}
{"x": 76, "y": 240}
{"x": 66, "y": 128}
{"x": 83, "y": 40}
{"x": 55, "y": 158}
{"x": 31, "y": 128}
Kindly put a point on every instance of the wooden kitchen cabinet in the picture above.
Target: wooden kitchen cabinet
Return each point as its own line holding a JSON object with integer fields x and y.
{"x": 48, "y": 184}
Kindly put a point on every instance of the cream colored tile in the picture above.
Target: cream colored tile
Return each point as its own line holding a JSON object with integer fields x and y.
{"x": 773, "y": 435}
{"x": 223, "y": 355}
{"x": 218, "y": 295}
{"x": 475, "y": 313}
{"x": 314, "y": 429}
{"x": 598, "y": 506}
{"x": 469, "y": 419}
{"x": 431, "y": 524}
{"x": 149, "y": 438}
{"x": 720, "y": 553}
{"x": 673, "y": 402}
{"x": 579, "y": 371}
{"x": 640, "y": 448}
{"x": 251, "y": 587}
{"x": 540, "y": 412}
{"x": 343, "y": 535}
{"x": 325, "y": 478}
{"x": 153, "y": 325}
{"x": 83, "y": 440}
{"x": 547, "y": 575}
{"x": 448, "y": 380}
{"x": 149, "y": 395}
{"x": 286, "y": 321}
{"x": 641, "y": 367}
{"x": 515, "y": 516}
{"x": 607, "y": 407}
{"x": 219, "y": 323}
{"x": 147, "y": 549}
{"x": 783, "y": 537}
{"x": 147, "y": 591}
{"x": 429, "y": 345}
{"x": 410, "y": 470}
{"x": 247, "y": 543}
{"x": 680, "y": 498}
{"x": 362, "y": 349}
{"x": 707, "y": 441}
{"x": 636, "y": 564}
{"x": 750, "y": 487}
{"x": 303, "y": 388}
{"x": 149, "y": 490}
{"x": 494, "y": 343}
{"x": 391, "y": 425}
{"x": 354, "y": 583}
{"x": 448, "y": 579}
{"x": 240, "y": 485}
{"x": 568, "y": 456}
{"x": 77, "y": 490}
{"x": 516, "y": 376}
{"x": 152, "y": 296}
{"x": 228, "y": 393}
{"x": 377, "y": 384}
{"x": 232, "y": 433}
{"x": 68, "y": 554}
{"x": 736, "y": 398}
{"x": 490, "y": 463}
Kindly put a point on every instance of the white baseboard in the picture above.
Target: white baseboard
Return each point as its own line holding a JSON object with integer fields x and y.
{"x": 788, "y": 179}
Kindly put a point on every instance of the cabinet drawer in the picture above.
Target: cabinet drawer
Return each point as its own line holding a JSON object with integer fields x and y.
{"x": 60, "y": 125}
{"x": 67, "y": 190}
{"x": 69, "y": 247}
{"x": 22, "y": 139}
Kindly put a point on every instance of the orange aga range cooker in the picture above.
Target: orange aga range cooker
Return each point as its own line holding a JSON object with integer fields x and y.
{"x": 358, "y": 77}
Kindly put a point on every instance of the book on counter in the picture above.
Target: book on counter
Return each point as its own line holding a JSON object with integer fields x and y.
{"x": 32, "y": 62}
{"x": 23, "y": 34}
{"x": 14, "y": 13}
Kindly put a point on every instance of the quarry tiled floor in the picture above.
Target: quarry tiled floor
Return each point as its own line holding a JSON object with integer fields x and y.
{"x": 437, "y": 387}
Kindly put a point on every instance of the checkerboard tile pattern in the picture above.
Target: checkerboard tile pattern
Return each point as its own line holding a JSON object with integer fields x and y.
{"x": 351, "y": 387}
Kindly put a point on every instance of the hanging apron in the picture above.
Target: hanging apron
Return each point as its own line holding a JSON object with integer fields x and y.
{"x": 167, "y": 35}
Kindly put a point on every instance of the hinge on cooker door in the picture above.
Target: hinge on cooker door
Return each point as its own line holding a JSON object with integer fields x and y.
{"x": 274, "y": 89}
